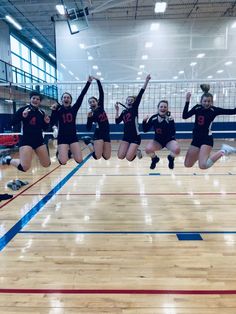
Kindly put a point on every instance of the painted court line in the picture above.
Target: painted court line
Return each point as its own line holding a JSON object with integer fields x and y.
{"x": 15, "y": 196}
{"x": 141, "y": 194}
{"x": 128, "y": 232}
{"x": 8, "y": 236}
{"x": 116, "y": 291}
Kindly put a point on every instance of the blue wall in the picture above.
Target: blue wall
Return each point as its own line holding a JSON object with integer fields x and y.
{"x": 217, "y": 126}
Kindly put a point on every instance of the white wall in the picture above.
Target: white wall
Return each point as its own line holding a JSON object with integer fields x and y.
{"x": 5, "y": 52}
{"x": 117, "y": 48}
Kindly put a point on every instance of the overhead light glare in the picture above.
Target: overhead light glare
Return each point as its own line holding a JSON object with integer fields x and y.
{"x": 160, "y": 7}
{"x": 154, "y": 26}
{"x": 201, "y": 55}
{"x": 60, "y": 9}
{"x": 148, "y": 45}
{"x": 37, "y": 43}
{"x": 13, "y": 22}
{"x": 52, "y": 56}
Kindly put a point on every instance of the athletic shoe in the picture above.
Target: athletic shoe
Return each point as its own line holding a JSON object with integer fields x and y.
{"x": 5, "y": 160}
{"x": 228, "y": 150}
{"x": 21, "y": 183}
{"x": 155, "y": 160}
{"x": 139, "y": 154}
{"x": 13, "y": 186}
{"x": 171, "y": 161}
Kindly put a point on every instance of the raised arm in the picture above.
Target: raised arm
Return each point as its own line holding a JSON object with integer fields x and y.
{"x": 142, "y": 90}
{"x": 186, "y": 112}
{"x": 146, "y": 81}
{"x": 79, "y": 100}
{"x": 101, "y": 93}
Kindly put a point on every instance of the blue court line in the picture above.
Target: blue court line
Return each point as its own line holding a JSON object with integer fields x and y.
{"x": 189, "y": 237}
{"x": 128, "y": 232}
{"x": 8, "y": 236}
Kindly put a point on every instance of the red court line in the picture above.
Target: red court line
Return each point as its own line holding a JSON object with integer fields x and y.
{"x": 14, "y": 197}
{"x": 142, "y": 194}
{"x": 116, "y": 291}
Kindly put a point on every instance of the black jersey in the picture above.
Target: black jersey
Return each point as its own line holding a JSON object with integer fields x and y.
{"x": 164, "y": 127}
{"x": 33, "y": 124}
{"x": 204, "y": 117}
{"x": 130, "y": 117}
{"x": 99, "y": 115}
{"x": 65, "y": 117}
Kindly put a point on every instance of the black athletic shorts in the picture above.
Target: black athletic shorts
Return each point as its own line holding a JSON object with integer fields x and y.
{"x": 32, "y": 141}
{"x": 99, "y": 135}
{"x": 163, "y": 141}
{"x": 198, "y": 141}
{"x": 67, "y": 139}
{"x": 132, "y": 139}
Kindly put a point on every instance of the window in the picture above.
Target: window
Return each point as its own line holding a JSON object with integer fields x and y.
{"x": 15, "y": 45}
{"x": 25, "y": 66}
{"x": 31, "y": 67}
{"x": 34, "y": 58}
{"x": 25, "y": 52}
{"x": 16, "y": 61}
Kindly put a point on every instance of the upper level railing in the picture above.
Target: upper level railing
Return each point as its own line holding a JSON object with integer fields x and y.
{"x": 23, "y": 79}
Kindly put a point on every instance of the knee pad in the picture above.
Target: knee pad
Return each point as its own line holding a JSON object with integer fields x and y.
{"x": 209, "y": 163}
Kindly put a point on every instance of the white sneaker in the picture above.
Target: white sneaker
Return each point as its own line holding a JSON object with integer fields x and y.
{"x": 228, "y": 150}
{"x": 139, "y": 154}
{"x": 5, "y": 160}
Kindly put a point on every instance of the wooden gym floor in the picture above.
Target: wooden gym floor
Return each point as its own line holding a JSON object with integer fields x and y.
{"x": 117, "y": 237}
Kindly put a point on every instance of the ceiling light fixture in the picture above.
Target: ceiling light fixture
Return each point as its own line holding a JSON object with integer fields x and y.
{"x": 201, "y": 55}
{"x": 52, "y": 56}
{"x": 60, "y": 9}
{"x": 37, "y": 43}
{"x": 13, "y": 22}
{"x": 160, "y": 7}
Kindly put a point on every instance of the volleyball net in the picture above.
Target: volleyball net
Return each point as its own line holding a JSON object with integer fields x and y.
{"x": 14, "y": 96}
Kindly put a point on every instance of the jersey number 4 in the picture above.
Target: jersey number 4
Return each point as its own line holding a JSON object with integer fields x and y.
{"x": 32, "y": 121}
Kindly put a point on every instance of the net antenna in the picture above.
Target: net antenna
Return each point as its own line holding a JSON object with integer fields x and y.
{"x": 76, "y": 15}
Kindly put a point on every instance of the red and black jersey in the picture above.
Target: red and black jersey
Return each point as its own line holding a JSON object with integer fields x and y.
{"x": 65, "y": 117}
{"x": 204, "y": 117}
{"x": 99, "y": 115}
{"x": 33, "y": 124}
{"x": 130, "y": 117}
{"x": 164, "y": 127}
